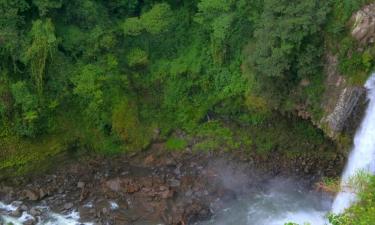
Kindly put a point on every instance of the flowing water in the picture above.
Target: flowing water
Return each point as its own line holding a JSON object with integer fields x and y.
{"x": 47, "y": 217}
{"x": 362, "y": 157}
{"x": 280, "y": 202}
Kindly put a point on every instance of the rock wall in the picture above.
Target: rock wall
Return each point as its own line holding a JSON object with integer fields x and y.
{"x": 343, "y": 104}
{"x": 364, "y": 24}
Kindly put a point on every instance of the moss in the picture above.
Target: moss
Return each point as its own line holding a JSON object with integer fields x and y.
{"x": 175, "y": 144}
{"x": 20, "y": 156}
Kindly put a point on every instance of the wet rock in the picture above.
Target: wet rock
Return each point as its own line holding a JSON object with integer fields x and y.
{"x": 34, "y": 212}
{"x": 24, "y": 207}
{"x": 68, "y": 205}
{"x": 30, "y": 222}
{"x": 16, "y": 213}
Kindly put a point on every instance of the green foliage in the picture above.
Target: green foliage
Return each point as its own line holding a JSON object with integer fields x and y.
{"x": 45, "y": 5}
{"x": 126, "y": 125}
{"x": 158, "y": 19}
{"x": 137, "y": 58}
{"x": 362, "y": 212}
{"x": 214, "y": 136}
{"x": 88, "y": 84}
{"x": 133, "y": 26}
{"x": 287, "y": 39}
{"x": 155, "y": 21}
{"x": 174, "y": 144}
{"x": 43, "y": 46}
{"x": 26, "y": 123}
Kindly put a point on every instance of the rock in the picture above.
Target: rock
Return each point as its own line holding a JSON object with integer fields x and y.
{"x": 177, "y": 171}
{"x": 364, "y": 24}
{"x": 80, "y": 184}
{"x": 42, "y": 193}
{"x": 31, "y": 195}
{"x": 348, "y": 100}
{"x": 189, "y": 193}
{"x": 24, "y": 208}
{"x": 68, "y": 205}
{"x": 149, "y": 160}
{"x": 165, "y": 192}
{"x": 174, "y": 182}
{"x": 29, "y": 222}
{"x": 132, "y": 189}
{"x": 34, "y": 212}
{"x": 16, "y": 213}
{"x": 114, "y": 184}
{"x": 170, "y": 162}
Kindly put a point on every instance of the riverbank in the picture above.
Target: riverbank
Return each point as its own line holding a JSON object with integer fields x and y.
{"x": 173, "y": 187}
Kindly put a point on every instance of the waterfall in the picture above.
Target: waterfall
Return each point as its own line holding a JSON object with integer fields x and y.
{"x": 362, "y": 157}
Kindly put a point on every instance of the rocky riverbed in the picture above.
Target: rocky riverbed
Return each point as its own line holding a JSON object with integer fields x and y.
{"x": 153, "y": 187}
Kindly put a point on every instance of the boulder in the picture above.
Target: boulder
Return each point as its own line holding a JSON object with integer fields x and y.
{"x": 31, "y": 195}
{"x": 68, "y": 205}
{"x": 80, "y": 184}
{"x": 114, "y": 184}
{"x": 364, "y": 24}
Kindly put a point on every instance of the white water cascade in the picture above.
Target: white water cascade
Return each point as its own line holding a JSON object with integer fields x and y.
{"x": 362, "y": 157}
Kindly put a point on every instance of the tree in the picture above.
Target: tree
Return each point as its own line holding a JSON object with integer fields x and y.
{"x": 42, "y": 48}
{"x": 11, "y": 29}
{"x": 155, "y": 21}
{"x": 45, "y": 5}
{"x": 287, "y": 42}
{"x": 26, "y": 122}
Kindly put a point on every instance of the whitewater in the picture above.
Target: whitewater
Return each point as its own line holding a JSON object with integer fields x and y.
{"x": 362, "y": 157}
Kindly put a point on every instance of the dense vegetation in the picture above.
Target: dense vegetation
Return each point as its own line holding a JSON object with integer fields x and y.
{"x": 112, "y": 75}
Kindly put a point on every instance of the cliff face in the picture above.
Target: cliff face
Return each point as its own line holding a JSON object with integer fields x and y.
{"x": 344, "y": 103}
{"x": 364, "y": 25}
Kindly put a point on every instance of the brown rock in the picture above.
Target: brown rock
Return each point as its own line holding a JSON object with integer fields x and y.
{"x": 31, "y": 195}
{"x": 42, "y": 193}
{"x": 149, "y": 160}
{"x": 131, "y": 188}
{"x": 114, "y": 184}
